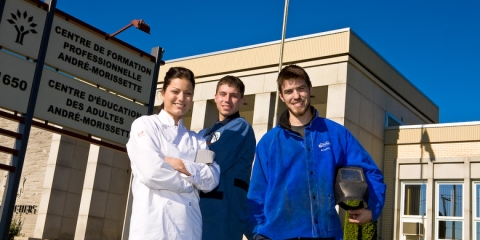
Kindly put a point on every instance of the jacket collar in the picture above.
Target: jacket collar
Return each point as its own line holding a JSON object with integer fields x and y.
{"x": 284, "y": 121}
{"x": 166, "y": 119}
{"x": 222, "y": 123}
{"x": 229, "y": 118}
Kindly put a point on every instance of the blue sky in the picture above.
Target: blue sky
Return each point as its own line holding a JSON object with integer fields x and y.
{"x": 434, "y": 44}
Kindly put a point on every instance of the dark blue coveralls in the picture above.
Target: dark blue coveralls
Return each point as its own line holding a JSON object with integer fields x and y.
{"x": 223, "y": 209}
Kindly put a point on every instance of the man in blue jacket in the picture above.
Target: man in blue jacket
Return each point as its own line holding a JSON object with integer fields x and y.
{"x": 291, "y": 194}
{"x": 233, "y": 141}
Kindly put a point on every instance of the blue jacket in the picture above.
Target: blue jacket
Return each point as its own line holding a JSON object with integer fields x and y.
{"x": 223, "y": 209}
{"x": 291, "y": 192}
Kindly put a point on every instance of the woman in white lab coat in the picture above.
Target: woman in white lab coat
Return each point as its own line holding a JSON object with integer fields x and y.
{"x": 166, "y": 178}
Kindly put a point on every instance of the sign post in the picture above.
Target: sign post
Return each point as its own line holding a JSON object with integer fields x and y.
{"x": 158, "y": 53}
{"x": 13, "y": 179}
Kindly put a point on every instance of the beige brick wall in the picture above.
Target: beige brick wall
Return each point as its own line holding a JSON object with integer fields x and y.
{"x": 412, "y": 151}
{"x": 389, "y": 173}
{"x": 33, "y": 173}
{"x": 462, "y": 149}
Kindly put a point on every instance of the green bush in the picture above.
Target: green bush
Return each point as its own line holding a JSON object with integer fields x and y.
{"x": 15, "y": 228}
{"x": 353, "y": 231}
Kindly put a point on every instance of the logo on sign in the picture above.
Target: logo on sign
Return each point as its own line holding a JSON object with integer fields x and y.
{"x": 20, "y": 21}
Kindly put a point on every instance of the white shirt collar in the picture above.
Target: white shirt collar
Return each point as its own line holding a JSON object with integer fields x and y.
{"x": 166, "y": 119}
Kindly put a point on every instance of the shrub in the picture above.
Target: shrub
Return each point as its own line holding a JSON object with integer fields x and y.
{"x": 353, "y": 231}
{"x": 15, "y": 228}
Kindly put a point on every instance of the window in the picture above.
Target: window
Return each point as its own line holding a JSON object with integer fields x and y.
{"x": 413, "y": 209}
{"x": 415, "y": 202}
{"x": 449, "y": 211}
{"x": 476, "y": 210}
{"x": 392, "y": 121}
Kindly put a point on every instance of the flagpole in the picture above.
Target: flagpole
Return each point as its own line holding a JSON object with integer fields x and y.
{"x": 284, "y": 31}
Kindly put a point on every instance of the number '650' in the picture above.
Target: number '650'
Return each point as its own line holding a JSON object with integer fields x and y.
{"x": 14, "y": 82}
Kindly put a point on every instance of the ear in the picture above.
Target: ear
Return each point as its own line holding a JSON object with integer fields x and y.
{"x": 163, "y": 94}
{"x": 281, "y": 96}
{"x": 242, "y": 101}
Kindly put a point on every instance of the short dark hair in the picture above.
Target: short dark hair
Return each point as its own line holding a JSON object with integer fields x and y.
{"x": 177, "y": 72}
{"x": 292, "y": 72}
{"x": 232, "y": 81}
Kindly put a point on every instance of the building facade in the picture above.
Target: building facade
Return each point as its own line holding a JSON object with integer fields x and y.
{"x": 433, "y": 181}
{"x": 352, "y": 85}
{"x": 80, "y": 190}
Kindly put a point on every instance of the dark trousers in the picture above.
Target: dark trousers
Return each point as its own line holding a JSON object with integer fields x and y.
{"x": 261, "y": 237}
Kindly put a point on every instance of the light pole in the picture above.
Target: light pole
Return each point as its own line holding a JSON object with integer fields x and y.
{"x": 139, "y": 24}
{"x": 284, "y": 31}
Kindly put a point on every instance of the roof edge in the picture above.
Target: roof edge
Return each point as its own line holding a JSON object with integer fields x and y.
{"x": 436, "y": 125}
{"x": 260, "y": 45}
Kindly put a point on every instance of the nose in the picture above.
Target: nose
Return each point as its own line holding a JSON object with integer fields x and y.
{"x": 296, "y": 94}
{"x": 180, "y": 96}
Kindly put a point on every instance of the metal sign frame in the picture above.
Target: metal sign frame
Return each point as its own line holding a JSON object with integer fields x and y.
{"x": 13, "y": 179}
{"x": 26, "y": 120}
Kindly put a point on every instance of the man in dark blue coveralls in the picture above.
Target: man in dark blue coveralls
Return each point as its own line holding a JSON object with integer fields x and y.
{"x": 233, "y": 141}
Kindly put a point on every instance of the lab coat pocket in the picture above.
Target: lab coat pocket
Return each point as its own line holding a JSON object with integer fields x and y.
{"x": 182, "y": 216}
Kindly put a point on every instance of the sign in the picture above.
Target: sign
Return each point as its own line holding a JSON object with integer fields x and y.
{"x": 90, "y": 57}
{"x": 21, "y": 27}
{"x": 71, "y": 103}
{"x": 16, "y": 76}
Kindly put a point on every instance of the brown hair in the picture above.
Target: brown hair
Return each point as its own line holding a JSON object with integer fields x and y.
{"x": 292, "y": 72}
{"x": 232, "y": 81}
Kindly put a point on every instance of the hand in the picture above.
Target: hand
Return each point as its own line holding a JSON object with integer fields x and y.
{"x": 177, "y": 164}
{"x": 360, "y": 216}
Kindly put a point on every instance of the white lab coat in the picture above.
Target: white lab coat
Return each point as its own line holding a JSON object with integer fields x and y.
{"x": 166, "y": 202}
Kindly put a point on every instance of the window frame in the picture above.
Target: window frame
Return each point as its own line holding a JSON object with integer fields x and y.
{"x": 475, "y": 219}
{"x": 402, "y": 199}
{"x": 439, "y": 218}
{"x": 397, "y": 121}
{"x": 412, "y": 218}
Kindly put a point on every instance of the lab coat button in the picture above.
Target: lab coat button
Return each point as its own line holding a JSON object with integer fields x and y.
{"x": 169, "y": 203}
{"x": 189, "y": 203}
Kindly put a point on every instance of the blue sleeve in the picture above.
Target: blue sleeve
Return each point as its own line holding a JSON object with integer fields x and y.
{"x": 202, "y": 132}
{"x": 258, "y": 186}
{"x": 232, "y": 142}
{"x": 358, "y": 156}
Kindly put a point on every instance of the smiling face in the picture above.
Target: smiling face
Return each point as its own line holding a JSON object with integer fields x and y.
{"x": 295, "y": 93}
{"x": 177, "y": 98}
{"x": 228, "y": 100}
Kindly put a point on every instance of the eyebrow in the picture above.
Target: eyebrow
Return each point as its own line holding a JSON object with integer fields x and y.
{"x": 175, "y": 88}
{"x": 303, "y": 85}
{"x": 231, "y": 93}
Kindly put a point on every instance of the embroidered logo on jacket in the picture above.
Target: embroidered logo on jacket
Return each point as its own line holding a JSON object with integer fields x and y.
{"x": 324, "y": 146}
{"x": 141, "y": 133}
{"x": 215, "y": 137}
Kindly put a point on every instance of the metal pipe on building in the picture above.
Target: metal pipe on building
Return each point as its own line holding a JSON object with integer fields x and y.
{"x": 284, "y": 31}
